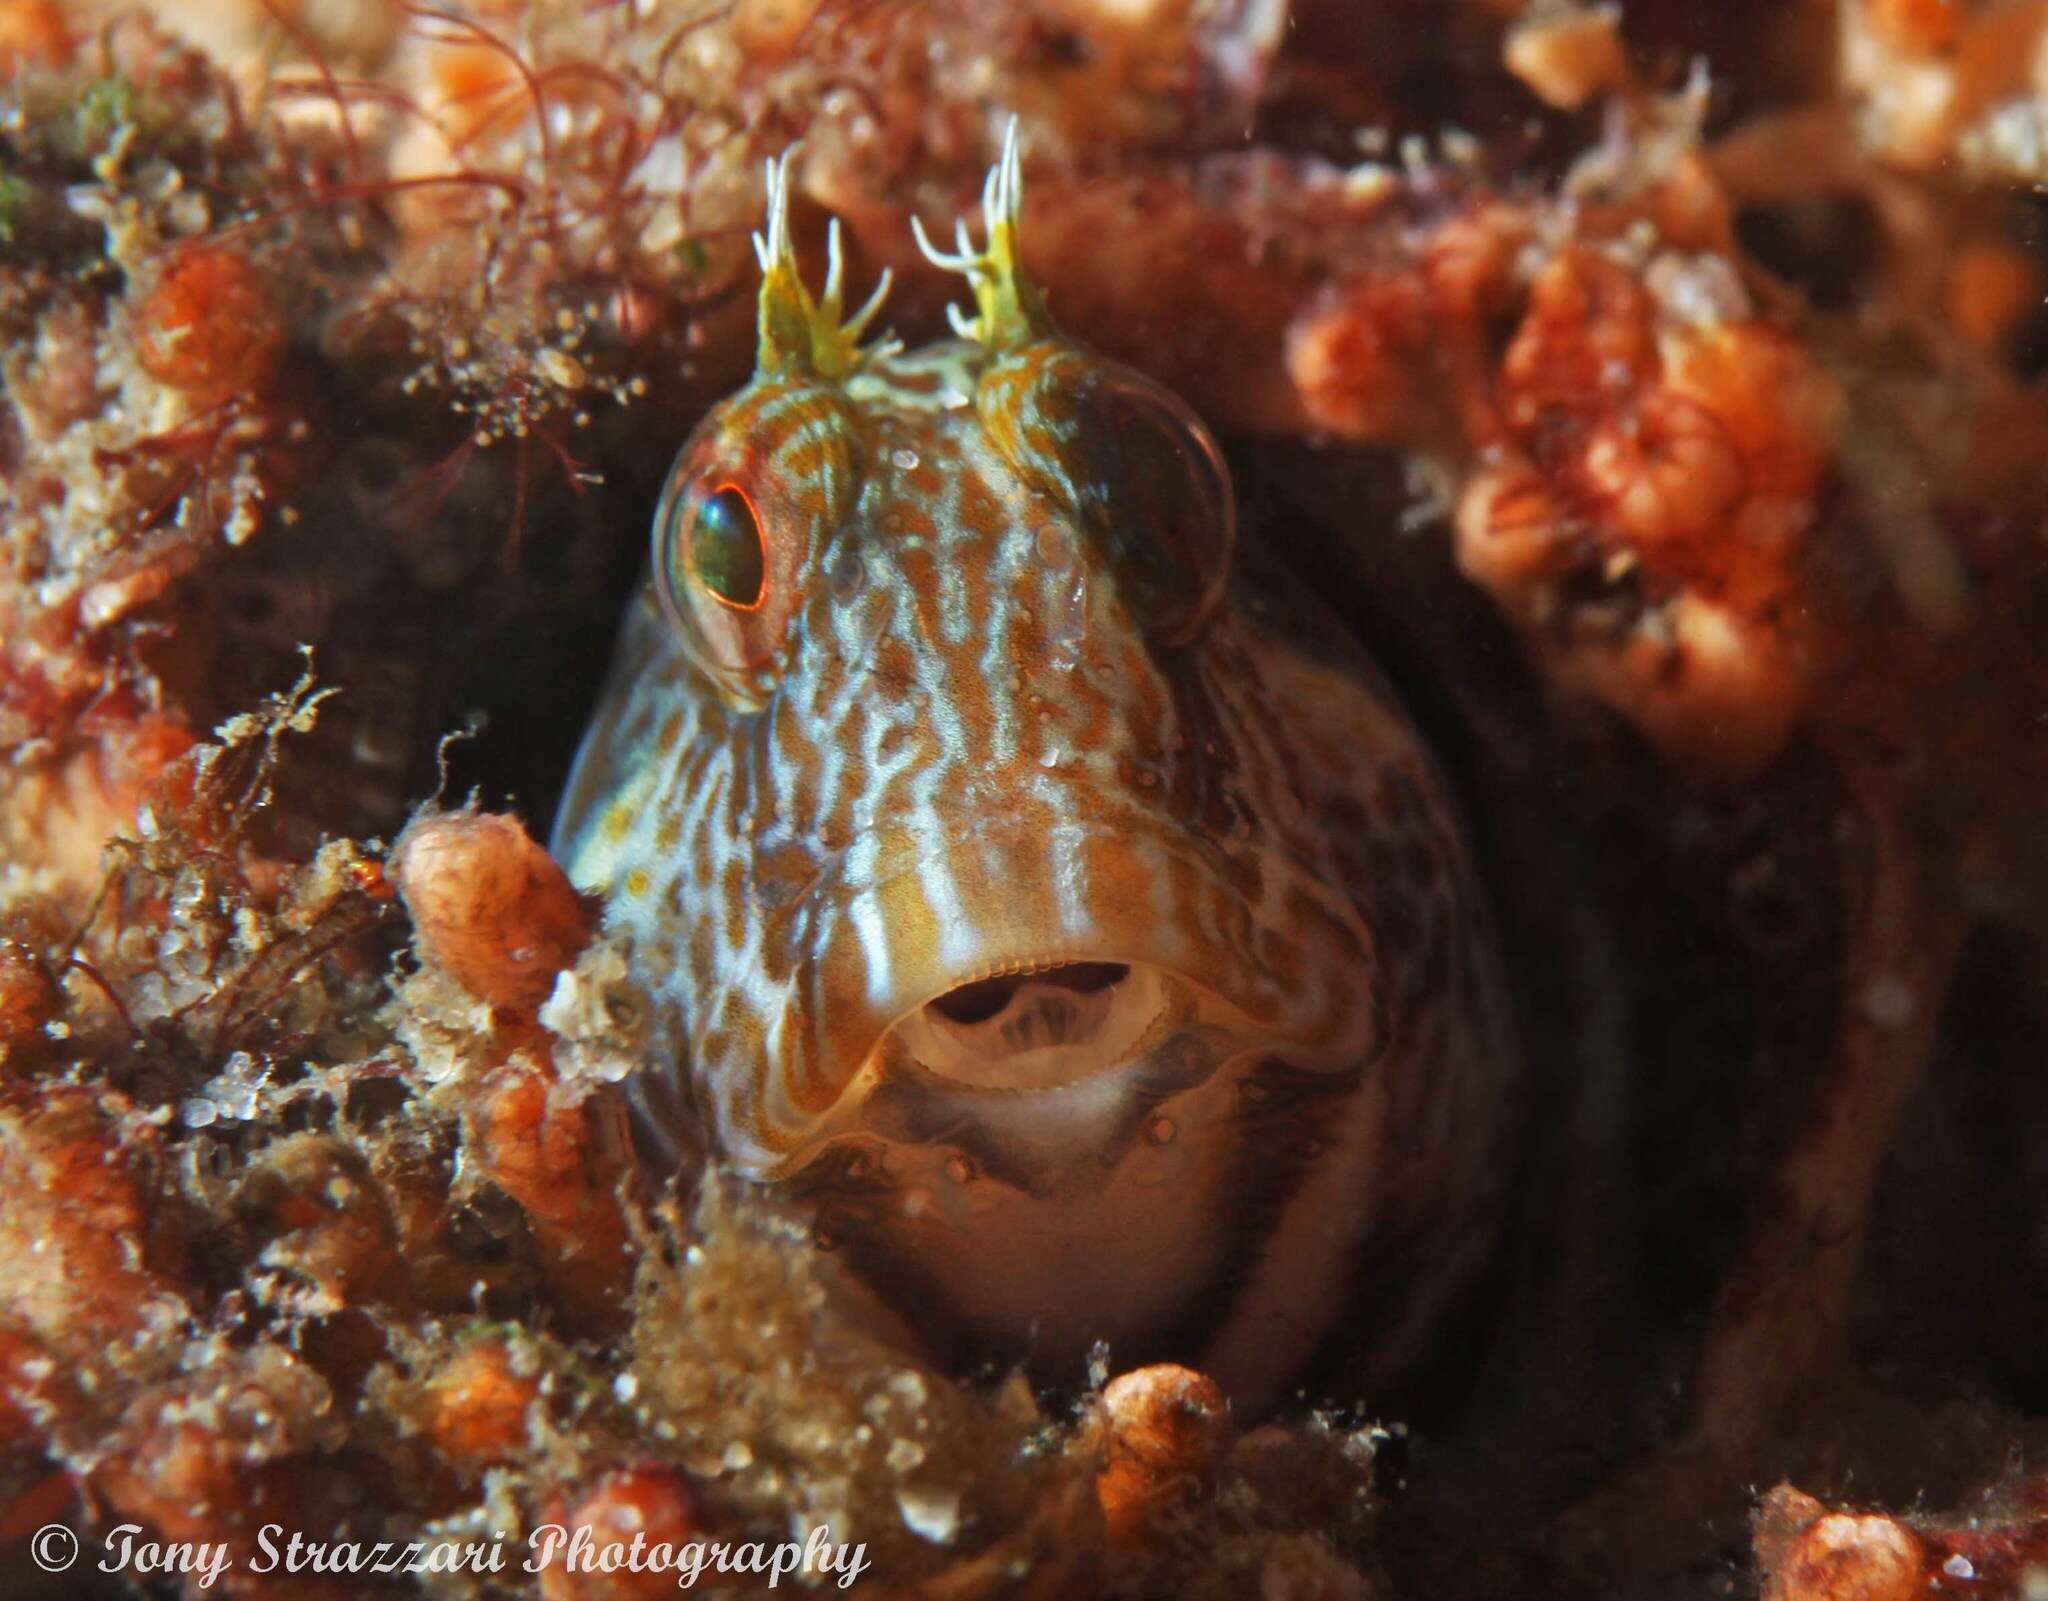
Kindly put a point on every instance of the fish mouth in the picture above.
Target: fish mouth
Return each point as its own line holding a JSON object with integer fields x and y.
{"x": 1033, "y": 954}
{"x": 1039, "y": 1028}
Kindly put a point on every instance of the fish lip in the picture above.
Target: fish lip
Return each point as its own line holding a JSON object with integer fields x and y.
{"x": 1138, "y": 1013}
{"x": 773, "y": 1107}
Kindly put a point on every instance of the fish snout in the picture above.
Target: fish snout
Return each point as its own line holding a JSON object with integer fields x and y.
{"x": 1032, "y": 954}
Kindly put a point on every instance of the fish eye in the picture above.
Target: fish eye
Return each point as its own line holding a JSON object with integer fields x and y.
{"x": 1163, "y": 492}
{"x": 725, "y": 573}
{"x": 725, "y": 549}
{"x": 740, "y": 523}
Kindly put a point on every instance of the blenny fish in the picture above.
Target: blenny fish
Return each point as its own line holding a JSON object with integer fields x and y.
{"x": 1048, "y": 895}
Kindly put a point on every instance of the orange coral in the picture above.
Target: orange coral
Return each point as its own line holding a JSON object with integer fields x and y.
{"x": 1163, "y": 1429}
{"x": 561, "y": 1151}
{"x": 32, "y": 31}
{"x": 1920, "y": 27}
{"x": 222, "y": 1480}
{"x": 629, "y": 1508}
{"x": 1809, "y": 1551}
{"x": 80, "y": 1226}
{"x": 491, "y": 906}
{"x": 1567, "y": 57}
{"x": 1811, "y": 1554}
{"x": 325, "y": 1221}
{"x": 209, "y": 325}
{"x": 477, "y": 1406}
{"x": 29, "y": 998}
{"x": 1991, "y": 286}
{"x": 1675, "y": 465}
{"x": 1945, "y": 83}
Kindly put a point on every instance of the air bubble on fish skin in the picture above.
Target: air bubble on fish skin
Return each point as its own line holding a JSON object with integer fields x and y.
{"x": 1066, "y": 625}
{"x": 903, "y": 458}
{"x": 848, "y": 575}
{"x": 1054, "y": 547}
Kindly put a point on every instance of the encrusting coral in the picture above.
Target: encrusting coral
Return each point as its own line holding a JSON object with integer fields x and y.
{"x": 311, "y": 1223}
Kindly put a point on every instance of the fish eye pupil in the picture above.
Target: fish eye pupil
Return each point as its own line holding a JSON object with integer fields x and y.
{"x": 727, "y": 550}
{"x": 1155, "y": 457}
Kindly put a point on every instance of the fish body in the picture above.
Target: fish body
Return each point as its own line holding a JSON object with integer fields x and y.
{"x": 1041, "y": 890}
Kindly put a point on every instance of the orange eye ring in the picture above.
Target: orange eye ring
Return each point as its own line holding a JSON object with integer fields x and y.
{"x": 727, "y": 556}
{"x": 723, "y": 574}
